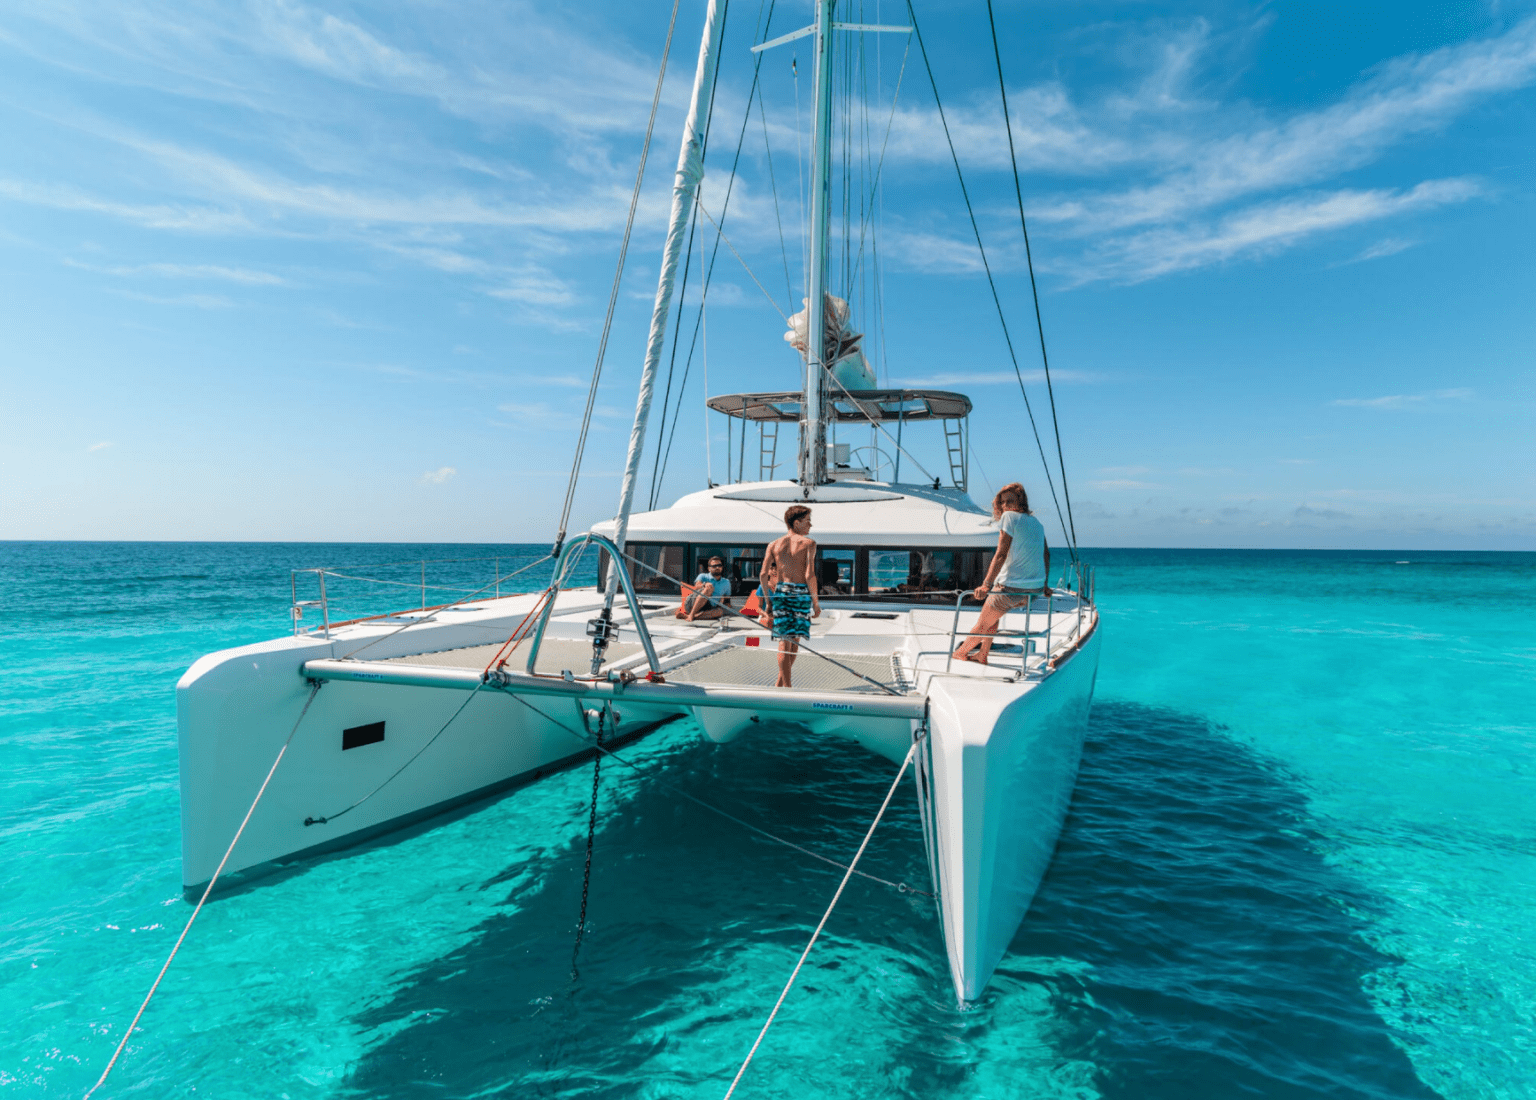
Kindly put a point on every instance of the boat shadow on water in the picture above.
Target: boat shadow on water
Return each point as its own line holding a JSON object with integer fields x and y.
{"x": 1190, "y": 940}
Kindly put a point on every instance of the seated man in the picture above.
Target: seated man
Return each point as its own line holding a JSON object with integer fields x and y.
{"x": 711, "y": 594}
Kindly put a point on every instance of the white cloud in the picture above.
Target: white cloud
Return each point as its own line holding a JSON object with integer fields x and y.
{"x": 1387, "y": 246}
{"x": 1263, "y": 229}
{"x": 1403, "y": 400}
{"x": 437, "y": 476}
{"x": 196, "y": 301}
{"x": 1404, "y": 97}
{"x": 1120, "y": 483}
{"x": 94, "y": 447}
{"x": 199, "y": 219}
{"x": 534, "y": 287}
{"x": 242, "y": 275}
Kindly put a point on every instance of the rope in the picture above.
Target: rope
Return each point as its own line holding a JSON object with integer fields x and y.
{"x": 663, "y": 455}
{"x": 732, "y": 611}
{"x": 1034, "y": 290}
{"x": 648, "y": 774}
{"x": 991, "y": 283}
{"x": 613, "y": 295}
{"x": 586, "y": 875}
{"x": 835, "y": 897}
{"x": 519, "y": 634}
{"x": 773, "y": 189}
{"x": 313, "y": 691}
{"x": 455, "y": 603}
{"x": 402, "y": 767}
{"x": 874, "y": 186}
{"x": 744, "y": 265}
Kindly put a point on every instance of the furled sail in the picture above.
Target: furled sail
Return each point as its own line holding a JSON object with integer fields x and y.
{"x": 842, "y": 352}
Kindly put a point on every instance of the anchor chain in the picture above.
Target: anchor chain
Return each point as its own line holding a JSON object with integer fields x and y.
{"x": 586, "y": 875}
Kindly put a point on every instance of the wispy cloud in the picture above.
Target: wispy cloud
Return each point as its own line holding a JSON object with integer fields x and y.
{"x": 1403, "y": 400}
{"x": 1388, "y": 246}
{"x": 1262, "y": 229}
{"x": 243, "y": 275}
{"x": 1154, "y": 174}
{"x": 1112, "y": 484}
{"x": 59, "y": 196}
{"x": 94, "y": 447}
{"x": 196, "y": 301}
{"x": 437, "y": 476}
{"x": 1215, "y": 183}
{"x": 1407, "y": 96}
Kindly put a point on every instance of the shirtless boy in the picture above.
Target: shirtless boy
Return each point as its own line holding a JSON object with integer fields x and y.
{"x": 795, "y": 599}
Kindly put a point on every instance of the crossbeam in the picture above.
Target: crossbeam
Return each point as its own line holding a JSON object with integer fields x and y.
{"x": 775, "y": 701}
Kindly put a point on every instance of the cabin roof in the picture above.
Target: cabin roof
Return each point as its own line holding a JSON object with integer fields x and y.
{"x": 851, "y": 406}
{"x": 842, "y": 514}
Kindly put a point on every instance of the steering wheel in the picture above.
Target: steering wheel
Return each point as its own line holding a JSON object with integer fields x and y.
{"x": 880, "y": 458}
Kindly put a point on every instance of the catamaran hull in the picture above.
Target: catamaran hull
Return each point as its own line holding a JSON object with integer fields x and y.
{"x": 996, "y": 781}
{"x": 235, "y": 715}
{"x": 385, "y": 743}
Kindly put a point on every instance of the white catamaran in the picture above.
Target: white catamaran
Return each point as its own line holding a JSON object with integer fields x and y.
{"x": 425, "y": 710}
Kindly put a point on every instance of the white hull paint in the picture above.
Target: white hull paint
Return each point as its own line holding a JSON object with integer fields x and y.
{"x": 235, "y": 709}
{"x": 998, "y": 778}
{"x": 994, "y": 778}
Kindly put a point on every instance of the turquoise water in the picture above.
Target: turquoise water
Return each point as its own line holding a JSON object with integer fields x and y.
{"x": 1300, "y": 862}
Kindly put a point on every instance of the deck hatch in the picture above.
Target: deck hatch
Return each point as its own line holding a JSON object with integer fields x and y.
{"x": 358, "y": 736}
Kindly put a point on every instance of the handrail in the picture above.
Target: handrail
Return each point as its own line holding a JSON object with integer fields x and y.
{"x": 635, "y": 611}
{"x": 1026, "y": 634}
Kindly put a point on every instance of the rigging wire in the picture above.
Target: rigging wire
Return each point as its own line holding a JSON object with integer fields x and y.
{"x": 650, "y": 775}
{"x": 744, "y": 265}
{"x": 991, "y": 282}
{"x": 315, "y": 686}
{"x": 773, "y": 189}
{"x": 1034, "y": 290}
{"x": 613, "y": 295}
{"x": 873, "y": 825}
{"x": 664, "y": 454}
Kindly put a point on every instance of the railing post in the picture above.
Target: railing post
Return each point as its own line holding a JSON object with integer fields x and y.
{"x": 498, "y": 577}
{"x": 954, "y": 632}
{"x": 637, "y": 614}
{"x": 423, "y": 584}
{"x": 325, "y": 608}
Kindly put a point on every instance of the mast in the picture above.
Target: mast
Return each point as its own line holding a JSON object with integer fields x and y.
{"x": 813, "y": 432}
{"x": 690, "y": 170}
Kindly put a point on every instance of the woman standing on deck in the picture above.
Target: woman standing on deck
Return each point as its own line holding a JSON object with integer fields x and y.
{"x": 1017, "y": 572}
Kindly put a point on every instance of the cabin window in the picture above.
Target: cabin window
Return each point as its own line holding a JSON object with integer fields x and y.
{"x": 660, "y": 568}
{"x": 916, "y": 573}
{"x": 743, "y": 565}
{"x": 837, "y": 571}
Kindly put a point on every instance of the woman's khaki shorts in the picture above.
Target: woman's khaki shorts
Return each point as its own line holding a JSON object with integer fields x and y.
{"x": 1006, "y": 599}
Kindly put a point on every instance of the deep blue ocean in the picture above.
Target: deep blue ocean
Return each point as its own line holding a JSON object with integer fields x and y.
{"x": 1300, "y": 862}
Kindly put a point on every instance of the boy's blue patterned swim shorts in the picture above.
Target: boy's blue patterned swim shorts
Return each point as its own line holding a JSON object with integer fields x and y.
{"x": 791, "y": 610}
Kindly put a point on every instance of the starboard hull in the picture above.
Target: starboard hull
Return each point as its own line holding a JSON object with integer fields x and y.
{"x": 995, "y": 781}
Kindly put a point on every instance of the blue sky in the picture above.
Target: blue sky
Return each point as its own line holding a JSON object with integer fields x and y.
{"x": 275, "y": 270}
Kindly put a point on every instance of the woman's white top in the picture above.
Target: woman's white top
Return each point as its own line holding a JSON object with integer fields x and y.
{"x": 1025, "y": 566}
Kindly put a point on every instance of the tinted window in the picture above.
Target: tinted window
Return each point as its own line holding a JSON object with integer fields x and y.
{"x": 660, "y": 568}
{"x": 938, "y": 574}
{"x": 743, "y": 564}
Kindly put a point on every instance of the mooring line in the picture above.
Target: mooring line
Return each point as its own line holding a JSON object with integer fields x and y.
{"x": 313, "y": 691}
{"x": 644, "y": 773}
{"x": 796, "y": 972}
